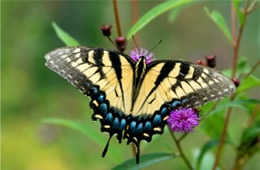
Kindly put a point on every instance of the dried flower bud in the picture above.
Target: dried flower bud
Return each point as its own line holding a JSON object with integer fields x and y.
{"x": 121, "y": 43}
{"x": 201, "y": 62}
{"x": 211, "y": 61}
{"x": 106, "y": 30}
{"x": 236, "y": 81}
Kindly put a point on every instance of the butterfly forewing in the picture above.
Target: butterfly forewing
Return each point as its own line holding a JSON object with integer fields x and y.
{"x": 191, "y": 84}
{"x": 85, "y": 67}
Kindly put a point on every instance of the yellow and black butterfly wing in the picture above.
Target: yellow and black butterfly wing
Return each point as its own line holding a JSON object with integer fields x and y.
{"x": 193, "y": 85}
{"x": 169, "y": 85}
{"x": 106, "y": 76}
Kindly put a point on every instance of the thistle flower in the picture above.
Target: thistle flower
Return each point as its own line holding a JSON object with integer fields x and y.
{"x": 136, "y": 54}
{"x": 183, "y": 120}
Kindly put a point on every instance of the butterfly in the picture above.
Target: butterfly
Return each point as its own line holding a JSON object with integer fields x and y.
{"x": 132, "y": 100}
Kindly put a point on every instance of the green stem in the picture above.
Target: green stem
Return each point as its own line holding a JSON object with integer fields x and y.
{"x": 177, "y": 142}
{"x": 236, "y": 45}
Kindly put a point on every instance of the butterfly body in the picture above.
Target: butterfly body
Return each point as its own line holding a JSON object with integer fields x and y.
{"x": 132, "y": 100}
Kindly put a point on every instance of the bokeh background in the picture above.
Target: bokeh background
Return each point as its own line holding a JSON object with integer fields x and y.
{"x": 31, "y": 92}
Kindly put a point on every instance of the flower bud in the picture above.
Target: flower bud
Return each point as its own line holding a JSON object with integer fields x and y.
{"x": 121, "y": 43}
{"x": 211, "y": 61}
{"x": 106, "y": 30}
{"x": 201, "y": 62}
{"x": 236, "y": 81}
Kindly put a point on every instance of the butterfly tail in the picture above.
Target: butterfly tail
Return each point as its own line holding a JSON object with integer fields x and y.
{"x": 106, "y": 147}
{"x": 137, "y": 152}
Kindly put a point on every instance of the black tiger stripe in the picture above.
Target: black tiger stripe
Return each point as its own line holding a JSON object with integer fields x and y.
{"x": 184, "y": 69}
{"x": 166, "y": 69}
{"x": 197, "y": 73}
{"x": 98, "y": 54}
{"x": 116, "y": 64}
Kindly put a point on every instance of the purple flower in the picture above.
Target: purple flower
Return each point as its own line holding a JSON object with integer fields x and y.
{"x": 183, "y": 120}
{"x": 136, "y": 54}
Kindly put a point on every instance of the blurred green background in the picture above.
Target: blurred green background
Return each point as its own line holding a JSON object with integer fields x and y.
{"x": 31, "y": 92}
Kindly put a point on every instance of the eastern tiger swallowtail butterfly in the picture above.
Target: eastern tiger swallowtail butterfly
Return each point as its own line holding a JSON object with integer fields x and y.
{"x": 132, "y": 100}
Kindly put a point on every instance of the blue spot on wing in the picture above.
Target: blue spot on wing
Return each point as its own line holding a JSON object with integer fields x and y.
{"x": 103, "y": 108}
{"x": 148, "y": 126}
{"x": 109, "y": 117}
{"x": 157, "y": 120}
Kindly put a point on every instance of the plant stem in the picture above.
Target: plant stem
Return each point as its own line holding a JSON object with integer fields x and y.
{"x": 177, "y": 142}
{"x": 236, "y": 45}
{"x": 233, "y": 22}
{"x": 253, "y": 115}
{"x": 135, "y": 12}
{"x": 183, "y": 136}
{"x": 116, "y": 13}
{"x": 222, "y": 138}
{"x": 252, "y": 69}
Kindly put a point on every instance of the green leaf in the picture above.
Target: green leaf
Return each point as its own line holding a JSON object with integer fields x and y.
{"x": 212, "y": 125}
{"x": 155, "y": 12}
{"x": 174, "y": 14}
{"x": 219, "y": 20}
{"x": 64, "y": 37}
{"x": 250, "y": 133}
{"x": 145, "y": 161}
{"x": 242, "y": 66}
{"x": 239, "y": 12}
{"x": 89, "y": 132}
{"x": 250, "y": 82}
{"x": 222, "y": 106}
{"x": 206, "y": 147}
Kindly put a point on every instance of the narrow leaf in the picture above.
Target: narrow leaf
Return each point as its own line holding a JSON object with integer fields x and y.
{"x": 219, "y": 20}
{"x": 89, "y": 132}
{"x": 206, "y": 147}
{"x": 145, "y": 161}
{"x": 248, "y": 83}
{"x": 250, "y": 133}
{"x": 174, "y": 14}
{"x": 64, "y": 36}
{"x": 239, "y": 12}
{"x": 155, "y": 12}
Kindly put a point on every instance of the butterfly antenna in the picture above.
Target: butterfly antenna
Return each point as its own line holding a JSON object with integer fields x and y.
{"x": 136, "y": 45}
{"x": 156, "y": 45}
{"x": 106, "y": 147}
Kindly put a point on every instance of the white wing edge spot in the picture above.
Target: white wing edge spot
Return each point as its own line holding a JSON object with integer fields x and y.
{"x": 77, "y": 50}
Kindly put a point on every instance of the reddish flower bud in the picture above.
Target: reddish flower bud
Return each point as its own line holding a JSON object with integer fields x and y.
{"x": 121, "y": 43}
{"x": 236, "y": 81}
{"x": 106, "y": 30}
{"x": 211, "y": 61}
{"x": 201, "y": 62}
